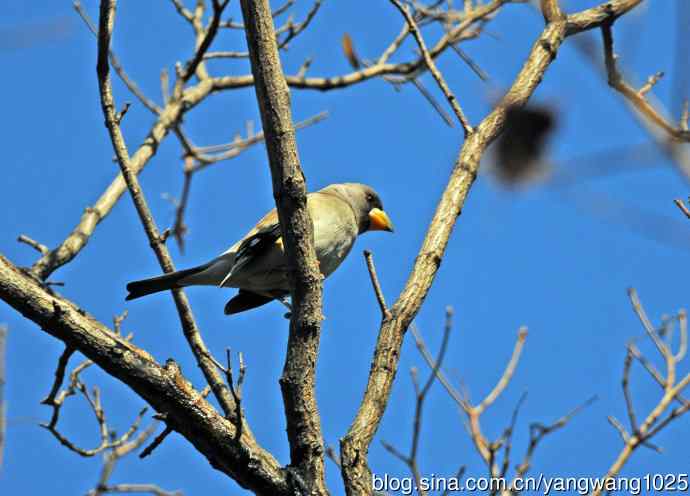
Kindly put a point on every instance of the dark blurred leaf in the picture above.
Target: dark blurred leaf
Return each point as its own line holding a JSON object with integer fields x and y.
{"x": 520, "y": 149}
{"x": 349, "y": 51}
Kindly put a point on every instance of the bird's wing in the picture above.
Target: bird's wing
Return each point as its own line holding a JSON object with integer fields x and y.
{"x": 255, "y": 246}
{"x": 256, "y": 243}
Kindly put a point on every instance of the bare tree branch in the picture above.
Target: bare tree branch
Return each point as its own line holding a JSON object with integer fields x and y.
{"x": 637, "y": 97}
{"x": 354, "y": 445}
{"x": 42, "y": 249}
{"x": 385, "y": 312}
{"x": 198, "y": 158}
{"x": 189, "y": 326}
{"x": 56, "y": 400}
{"x": 551, "y": 10}
{"x": 289, "y": 190}
{"x": 429, "y": 61}
{"x": 655, "y": 421}
{"x": 163, "y": 387}
{"x": 182, "y": 10}
{"x": 596, "y": 17}
{"x": 117, "y": 66}
{"x": 679, "y": 203}
{"x": 204, "y": 39}
{"x": 110, "y": 460}
{"x": 421, "y": 394}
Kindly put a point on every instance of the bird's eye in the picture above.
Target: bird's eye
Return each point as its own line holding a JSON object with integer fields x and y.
{"x": 370, "y": 197}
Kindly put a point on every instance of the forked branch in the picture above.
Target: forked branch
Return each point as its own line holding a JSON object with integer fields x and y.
{"x": 672, "y": 386}
{"x": 638, "y": 98}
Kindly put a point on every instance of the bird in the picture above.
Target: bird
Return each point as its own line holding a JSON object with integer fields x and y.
{"x": 256, "y": 264}
{"x": 521, "y": 147}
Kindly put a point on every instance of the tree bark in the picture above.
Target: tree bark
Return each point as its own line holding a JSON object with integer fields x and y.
{"x": 289, "y": 190}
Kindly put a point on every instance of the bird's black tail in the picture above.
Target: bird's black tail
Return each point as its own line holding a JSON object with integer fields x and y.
{"x": 144, "y": 287}
{"x": 245, "y": 300}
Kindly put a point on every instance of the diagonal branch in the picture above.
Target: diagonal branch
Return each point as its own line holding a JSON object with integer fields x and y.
{"x": 205, "y": 37}
{"x": 421, "y": 395}
{"x": 637, "y": 98}
{"x": 655, "y": 421}
{"x": 163, "y": 387}
{"x": 117, "y": 66}
{"x": 191, "y": 331}
{"x": 385, "y": 312}
{"x": 93, "y": 215}
{"x": 182, "y": 101}
{"x": 110, "y": 460}
{"x": 429, "y": 61}
{"x": 355, "y": 444}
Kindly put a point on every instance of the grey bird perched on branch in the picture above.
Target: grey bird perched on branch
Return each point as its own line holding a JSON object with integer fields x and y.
{"x": 256, "y": 264}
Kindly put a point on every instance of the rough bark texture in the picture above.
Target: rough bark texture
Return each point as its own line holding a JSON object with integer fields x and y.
{"x": 289, "y": 190}
{"x": 189, "y": 326}
{"x": 355, "y": 445}
{"x": 163, "y": 387}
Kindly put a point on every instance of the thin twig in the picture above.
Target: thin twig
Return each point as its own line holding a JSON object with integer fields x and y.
{"x": 166, "y": 432}
{"x": 428, "y": 59}
{"x": 332, "y": 455}
{"x": 189, "y": 326}
{"x": 182, "y": 10}
{"x": 208, "y": 36}
{"x": 653, "y": 423}
{"x": 380, "y": 298}
{"x": 421, "y": 394}
{"x": 679, "y": 203}
{"x": 538, "y": 431}
{"x": 56, "y": 399}
{"x": 112, "y": 457}
{"x": 636, "y": 97}
{"x": 59, "y": 376}
{"x": 42, "y": 249}
{"x": 117, "y": 66}
{"x": 626, "y": 390}
{"x": 507, "y": 374}
{"x": 156, "y": 442}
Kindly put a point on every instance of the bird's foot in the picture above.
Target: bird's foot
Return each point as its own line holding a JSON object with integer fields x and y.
{"x": 285, "y": 300}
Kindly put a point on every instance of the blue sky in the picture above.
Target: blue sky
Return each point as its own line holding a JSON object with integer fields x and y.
{"x": 558, "y": 263}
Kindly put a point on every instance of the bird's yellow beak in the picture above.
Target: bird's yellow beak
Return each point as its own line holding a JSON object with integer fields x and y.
{"x": 379, "y": 221}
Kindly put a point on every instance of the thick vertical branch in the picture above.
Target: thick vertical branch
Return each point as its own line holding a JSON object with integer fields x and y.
{"x": 289, "y": 190}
